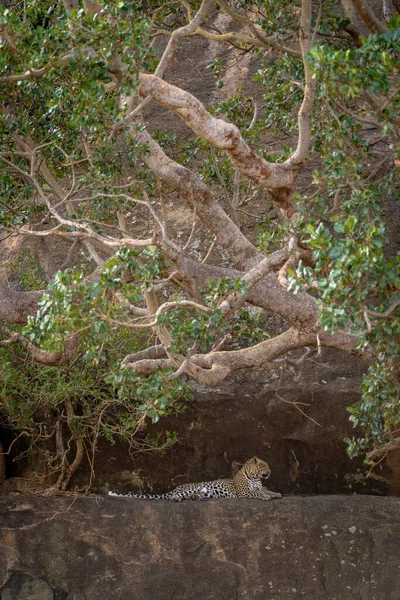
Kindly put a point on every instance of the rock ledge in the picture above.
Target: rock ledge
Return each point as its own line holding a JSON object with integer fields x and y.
{"x": 315, "y": 547}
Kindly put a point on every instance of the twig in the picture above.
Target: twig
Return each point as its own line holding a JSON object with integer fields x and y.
{"x": 318, "y": 346}
{"x": 318, "y": 21}
{"x": 182, "y": 32}
{"x": 68, "y": 261}
{"x": 385, "y": 314}
{"x": 225, "y": 339}
{"x": 255, "y": 114}
{"x": 232, "y": 209}
{"x": 292, "y": 361}
{"x": 23, "y": 433}
{"x": 63, "y": 511}
{"x": 163, "y": 308}
{"x": 211, "y": 248}
{"x": 296, "y": 405}
{"x": 192, "y": 232}
{"x": 356, "y": 117}
{"x": 258, "y": 33}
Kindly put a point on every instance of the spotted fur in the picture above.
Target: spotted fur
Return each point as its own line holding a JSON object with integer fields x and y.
{"x": 245, "y": 484}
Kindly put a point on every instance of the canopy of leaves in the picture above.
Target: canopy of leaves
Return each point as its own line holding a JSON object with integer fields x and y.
{"x": 78, "y": 165}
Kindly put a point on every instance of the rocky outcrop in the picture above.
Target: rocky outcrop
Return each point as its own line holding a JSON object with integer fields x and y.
{"x": 97, "y": 548}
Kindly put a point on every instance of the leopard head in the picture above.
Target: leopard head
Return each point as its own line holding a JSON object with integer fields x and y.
{"x": 255, "y": 468}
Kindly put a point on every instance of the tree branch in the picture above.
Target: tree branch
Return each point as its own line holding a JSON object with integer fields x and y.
{"x": 369, "y": 17}
{"x": 276, "y": 179}
{"x": 386, "y": 313}
{"x": 193, "y": 190}
{"x": 163, "y": 308}
{"x": 234, "y": 301}
{"x": 91, "y": 235}
{"x": 77, "y": 436}
{"x": 267, "y": 293}
{"x": 16, "y": 307}
{"x": 50, "y": 359}
{"x": 301, "y": 310}
{"x": 381, "y": 450}
{"x": 300, "y": 155}
{"x": 37, "y": 73}
{"x": 180, "y": 33}
{"x": 214, "y": 367}
{"x": 266, "y": 41}
{"x": 152, "y": 353}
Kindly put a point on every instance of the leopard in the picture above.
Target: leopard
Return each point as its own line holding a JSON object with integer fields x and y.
{"x": 245, "y": 484}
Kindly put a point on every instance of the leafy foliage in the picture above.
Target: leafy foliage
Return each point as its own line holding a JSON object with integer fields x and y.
{"x": 33, "y": 402}
{"x": 356, "y": 275}
{"x": 66, "y": 79}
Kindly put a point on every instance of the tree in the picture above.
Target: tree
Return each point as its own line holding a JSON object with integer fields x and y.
{"x": 82, "y": 169}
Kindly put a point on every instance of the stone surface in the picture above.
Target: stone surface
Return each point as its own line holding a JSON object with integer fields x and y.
{"x": 97, "y": 548}
{"x": 24, "y": 587}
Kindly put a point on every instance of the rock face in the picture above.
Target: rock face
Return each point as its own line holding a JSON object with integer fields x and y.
{"x": 316, "y": 548}
{"x": 226, "y": 425}
{"x": 2, "y": 464}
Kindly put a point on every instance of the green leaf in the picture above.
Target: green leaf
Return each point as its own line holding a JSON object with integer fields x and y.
{"x": 349, "y": 224}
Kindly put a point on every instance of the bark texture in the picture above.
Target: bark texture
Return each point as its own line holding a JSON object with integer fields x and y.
{"x": 15, "y": 307}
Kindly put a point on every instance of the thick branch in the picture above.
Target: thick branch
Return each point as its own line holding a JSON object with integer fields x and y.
{"x": 77, "y": 436}
{"x": 152, "y": 353}
{"x": 369, "y": 17}
{"x": 381, "y": 450}
{"x": 212, "y": 368}
{"x": 147, "y": 366}
{"x": 300, "y": 156}
{"x": 349, "y": 11}
{"x": 274, "y": 178}
{"x": 301, "y": 310}
{"x": 193, "y": 190}
{"x": 50, "y": 359}
{"x": 16, "y": 307}
{"x": 234, "y": 301}
{"x": 341, "y": 340}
